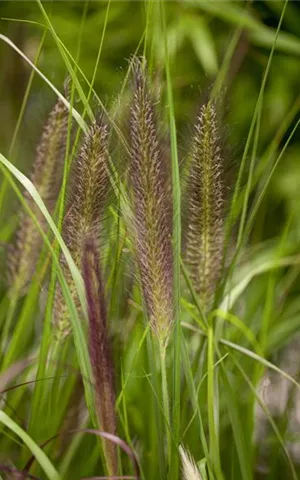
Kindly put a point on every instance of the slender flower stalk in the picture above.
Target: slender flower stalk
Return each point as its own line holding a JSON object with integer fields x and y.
{"x": 46, "y": 176}
{"x": 189, "y": 468}
{"x": 204, "y": 239}
{"x": 99, "y": 348}
{"x": 152, "y": 210}
{"x": 87, "y": 200}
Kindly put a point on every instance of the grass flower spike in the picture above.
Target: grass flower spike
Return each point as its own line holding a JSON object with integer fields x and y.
{"x": 99, "y": 347}
{"x": 204, "y": 242}
{"x": 46, "y": 176}
{"x": 189, "y": 468}
{"x": 152, "y": 213}
{"x": 87, "y": 199}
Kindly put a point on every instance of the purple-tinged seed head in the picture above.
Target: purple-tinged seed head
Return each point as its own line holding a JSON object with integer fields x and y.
{"x": 87, "y": 199}
{"x": 150, "y": 185}
{"x": 99, "y": 348}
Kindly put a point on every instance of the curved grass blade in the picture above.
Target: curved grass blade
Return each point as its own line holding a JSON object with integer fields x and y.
{"x": 75, "y": 114}
{"x": 248, "y": 353}
{"x": 265, "y": 266}
{"x": 71, "y": 71}
{"x": 270, "y": 419}
{"x": 40, "y": 456}
{"x": 174, "y": 470}
{"x": 79, "y": 336}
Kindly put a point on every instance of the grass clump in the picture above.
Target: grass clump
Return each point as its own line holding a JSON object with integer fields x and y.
{"x": 131, "y": 351}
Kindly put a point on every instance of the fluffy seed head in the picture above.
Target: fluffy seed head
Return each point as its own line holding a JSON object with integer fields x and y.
{"x": 46, "y": 176}
{"x": 152, "y": 213}
{"x": 87, "y": 200}
{"x": 204, "y": 238}
{"x": 189, "y": 468}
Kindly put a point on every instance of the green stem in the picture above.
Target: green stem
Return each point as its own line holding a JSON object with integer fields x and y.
{"x": 176, "y": 189}
{"x": 165, "y": 397}
{"x": 157, "y": 412}
{"x": 7, "y": 324}
{"x": 213, "y": 434}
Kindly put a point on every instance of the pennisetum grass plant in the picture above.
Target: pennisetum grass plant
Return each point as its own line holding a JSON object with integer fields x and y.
{"x": 150, "y": 186}
{"x": 88, "y": 196}
{"x": 209, "y": 378}
{"x": 205, "y": 238}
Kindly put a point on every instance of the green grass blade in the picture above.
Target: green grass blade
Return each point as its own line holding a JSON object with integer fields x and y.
{"x": 270, "y": 419}
{"x": 237, "y": 426}
{"x": 75, "y": 114}
{"x": 234, "y": 320}
{"x": 258, "y": 33}
{"x": 173, "y": 472}
{"x": 212, "y": 402}
{"x": 261, "y": 360}
{"x": 21, "y": 115}
{"x": 267, "y": 182}
{"x": 264, "y": 266}
{"x": 187, "y": 369}
{"x": 40, "y": 456}
{"x": 257, "y": 109}
{"x": 79, "y": 336}
{"x": 71, "y": 71}
{"x": 248, "y": 353}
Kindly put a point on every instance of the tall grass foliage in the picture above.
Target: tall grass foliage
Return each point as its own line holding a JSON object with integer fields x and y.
{"x": 136, "y": 313}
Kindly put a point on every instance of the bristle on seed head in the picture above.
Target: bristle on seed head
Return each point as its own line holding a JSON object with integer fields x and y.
{"x": 189, "y": 468}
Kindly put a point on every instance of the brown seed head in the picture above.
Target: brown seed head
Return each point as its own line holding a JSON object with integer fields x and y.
{"x": 87, "y": 200}
{"x": 152, "y": 212}
{"x": 46, "y": 176}
{"x": 204, "y": 242}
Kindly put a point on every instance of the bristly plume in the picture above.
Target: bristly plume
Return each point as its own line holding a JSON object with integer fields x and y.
{"x": 151, "y": 205}
{"x": 88, "y": 197}
{"x": 46, "y": 176}
{"x": 204, "y": 237}
{"x": 100, "y": 355}
{"x": 189, "y": 468}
